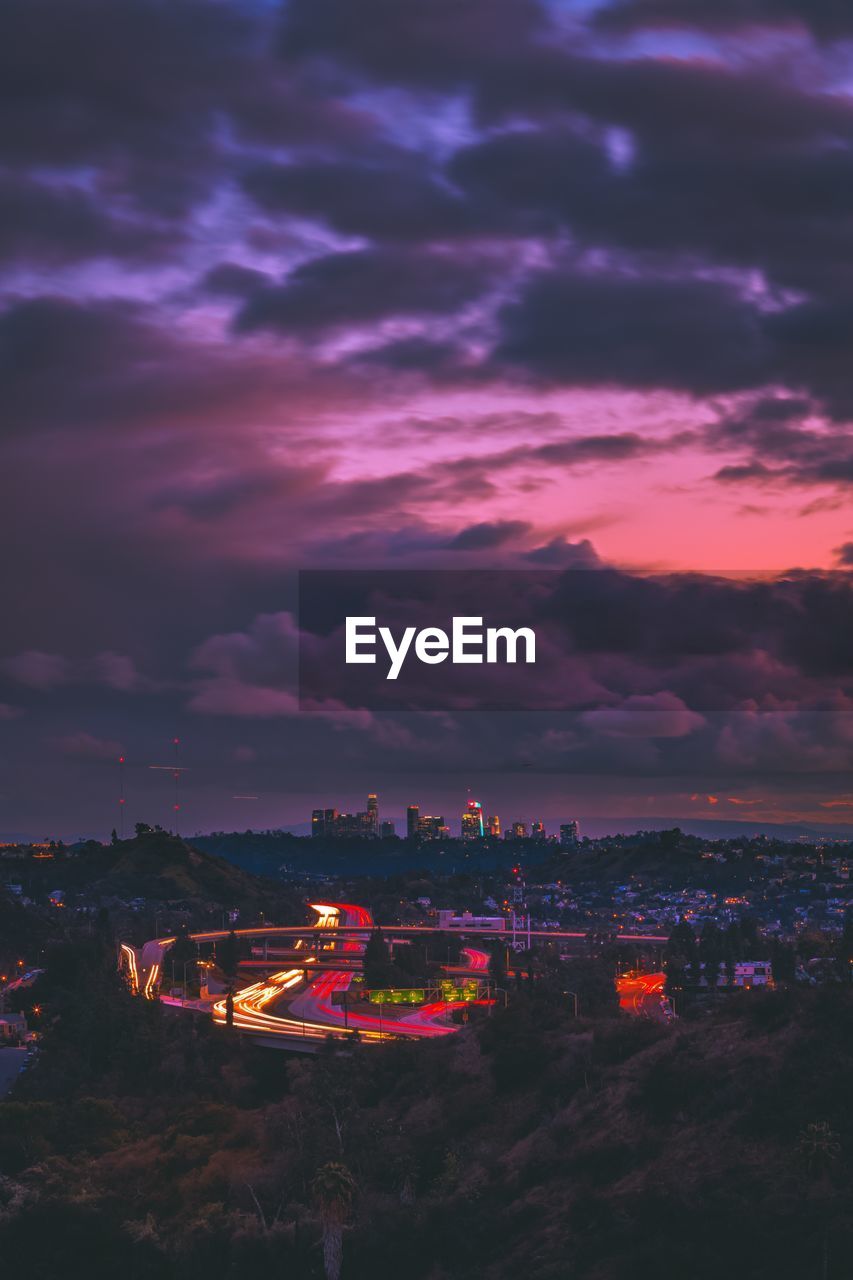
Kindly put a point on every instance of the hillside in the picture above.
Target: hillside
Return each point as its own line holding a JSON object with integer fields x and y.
{"x": 154, "y": 865}
{"x": 532, "y": 1144}
{"x": 158, "y": 865}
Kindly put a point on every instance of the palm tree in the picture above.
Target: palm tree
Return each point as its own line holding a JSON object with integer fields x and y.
{"x": 819, "y": 1147}
{"x": 334, "y": 1191}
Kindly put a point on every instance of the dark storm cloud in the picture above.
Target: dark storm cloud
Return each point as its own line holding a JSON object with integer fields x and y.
{"x": 118, "y": 366}
{"x": 42, "y": 223}
{"x": 703, "y": 103}
{"x": 129, "y": 88}
{"x": 137, "y": 96}
{"x": 232, "y": 280}
{"x": 779, "y": 203}
{"x": 215, "y": 498}
{"x": 605, "y": 639}
{"x": 101, "y": 363}
{"x": 437, "y": 361}
{"x": 697, "y": 336}
{"x": 488, "y": 534}
{"x": 395, "y": 198}
{"x": 542, "y": 207}
{"x": 442, "y": 44}
{"x": 559, "y": 553}
{"x": 828, "y": 19}
{"x": 785, "y": 442}
{"x": 62, "y": 360}
{"x": 366, "y": 285}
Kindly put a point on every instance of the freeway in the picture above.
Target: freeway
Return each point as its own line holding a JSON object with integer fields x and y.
{"x": 293, "y": 1003}
{"x": 477, "y": 964}
{"x": 643, "y": 994}
{"x": 315, "y": 1003}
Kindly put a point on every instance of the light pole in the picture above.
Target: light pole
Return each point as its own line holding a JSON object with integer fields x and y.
{"x": 574, "y": 996}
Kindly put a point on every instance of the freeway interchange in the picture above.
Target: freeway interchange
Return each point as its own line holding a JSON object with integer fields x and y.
{"x": 308, "y": 999}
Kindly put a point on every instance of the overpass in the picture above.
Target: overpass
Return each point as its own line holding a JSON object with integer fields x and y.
{"x": 301, "y": 1000}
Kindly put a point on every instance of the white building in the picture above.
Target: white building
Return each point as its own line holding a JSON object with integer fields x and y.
{"x": 447, "y": 920}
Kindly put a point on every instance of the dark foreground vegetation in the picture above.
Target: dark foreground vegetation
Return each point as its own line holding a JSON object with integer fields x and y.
{"x": 146, "y": 1144}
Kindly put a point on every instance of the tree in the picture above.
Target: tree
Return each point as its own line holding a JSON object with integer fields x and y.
{"x": 845, "y": 950}
{"x": 334, "y": 1191}
{"x": 182, "y": 952}
{"x": 377, "y": 962}
{"x": 783, "y": 962}
{"x": 497, "y": 963}
{"x": 819, "y": 1147}
{"x": 711, "y": 953}
{"x": 228, "y": 955}
{"x": 680, "y": 951}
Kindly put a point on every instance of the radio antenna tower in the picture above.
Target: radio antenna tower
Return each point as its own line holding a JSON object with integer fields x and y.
{"x": 177, "y": 776}
{"x": 121, "y": 800}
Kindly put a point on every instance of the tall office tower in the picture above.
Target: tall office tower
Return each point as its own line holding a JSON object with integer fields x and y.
{"x": 472, "y": 821}
{"x": 387, "y": 829}
{"x": 323, "y": 822}
{"x": 412, "y": 814}
{"x": 373, "y": 813}
{"x": 569, "y": 835}
{"x": 519, "y": 831}
{"x": 432, "y": 827}
{"x": 494, "y": 826}
{"x": 537, "y": 831}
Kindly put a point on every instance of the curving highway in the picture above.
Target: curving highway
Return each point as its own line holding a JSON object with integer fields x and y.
{"x": 643, "y": 994}
{"x": 299, "y": 1007}
{"x": 292, "y": 1005}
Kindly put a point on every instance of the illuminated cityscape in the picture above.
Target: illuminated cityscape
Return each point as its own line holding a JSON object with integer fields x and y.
{"x": 426, "y": 671}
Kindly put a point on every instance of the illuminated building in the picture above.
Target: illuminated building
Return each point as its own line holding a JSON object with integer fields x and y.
{"x": 518, "y": 831}
{"x": 328, "y": 822}
{"x": 373, "y": 812}
{"x": 432, "y": 827}
{"x": 447, "y": 920}
{"x": 387, "y": 830}
{"x": 494, "y": 826}
{"x": 569, "y": 835}
{"x": 412, "y": 815}
{"x": 323, "y": 822}
{"x": 537, "y": 831}
{"x": 472, "y": 821}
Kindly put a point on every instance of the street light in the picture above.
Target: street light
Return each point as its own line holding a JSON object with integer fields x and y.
{"x": 574, "y": 996}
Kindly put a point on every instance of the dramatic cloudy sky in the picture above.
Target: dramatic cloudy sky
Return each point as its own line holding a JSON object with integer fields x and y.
{"x": 397, "y": 283}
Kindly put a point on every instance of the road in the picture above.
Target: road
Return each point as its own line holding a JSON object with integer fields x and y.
{"x": 643, "y": 994}
{"x": 25, "y": 980}
{"x": 292, "y": 1004}
{"x": 268, "y": 1009}
{"x": 315, "y": 1003}
{"x": 11, "y": 1062}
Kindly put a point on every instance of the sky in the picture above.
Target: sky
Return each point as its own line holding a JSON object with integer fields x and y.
{"x": 450, "y": 283}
